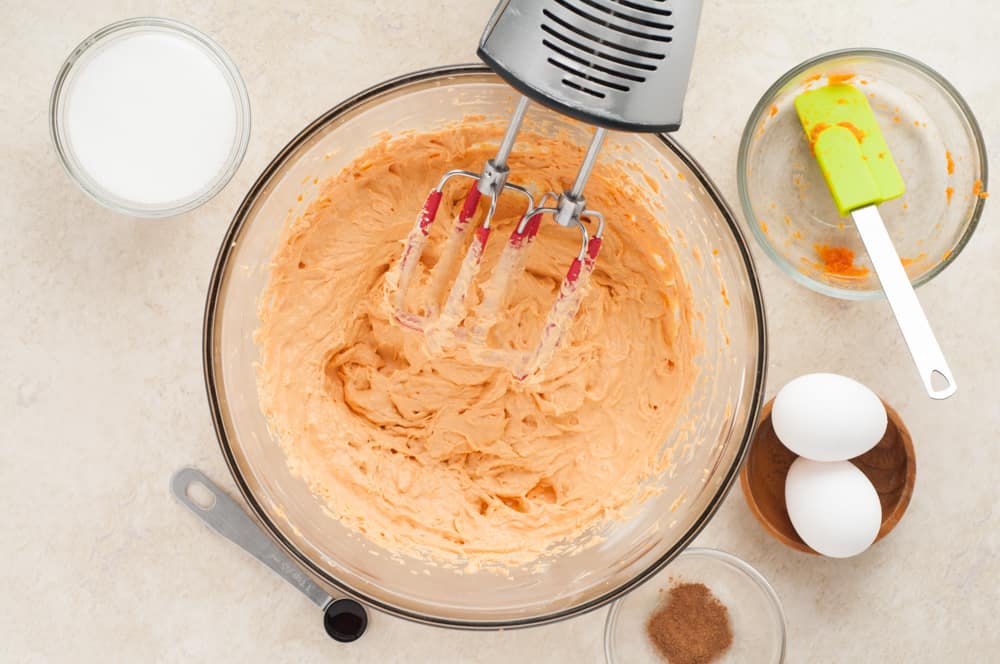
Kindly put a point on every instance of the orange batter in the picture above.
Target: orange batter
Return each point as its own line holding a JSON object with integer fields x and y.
{"x": 434, "y": 454}
{"x": 839, "y": 261}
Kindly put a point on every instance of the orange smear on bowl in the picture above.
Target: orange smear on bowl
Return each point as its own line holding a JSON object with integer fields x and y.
{"x": 948, "y": 193}
{"x": 837, "y": 79}
{"x": 774, "y": 110}
{"x": 951, "y": 163}
{"x": 977, "y": 189}
{"x": 839, "y": 261}
{"x": 909, "y": 261}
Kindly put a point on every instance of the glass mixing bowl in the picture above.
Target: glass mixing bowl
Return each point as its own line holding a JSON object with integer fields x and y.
{"x": 721, "y": 411}
{"x": 936, "y": 144}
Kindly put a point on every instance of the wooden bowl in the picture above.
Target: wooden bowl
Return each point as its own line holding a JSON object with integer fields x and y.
{"x": 891, "y": 466}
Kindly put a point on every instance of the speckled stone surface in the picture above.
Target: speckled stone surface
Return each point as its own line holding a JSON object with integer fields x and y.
{"x": 102, "y": 396}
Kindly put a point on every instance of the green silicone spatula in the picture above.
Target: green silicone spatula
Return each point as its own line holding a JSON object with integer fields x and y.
{"x": 860, "y": 172}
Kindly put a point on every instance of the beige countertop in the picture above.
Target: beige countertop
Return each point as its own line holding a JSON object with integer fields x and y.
{"x": 102, "y": 387}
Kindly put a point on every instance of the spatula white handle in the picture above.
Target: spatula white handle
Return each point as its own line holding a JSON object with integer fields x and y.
{"x": 906, "y": 307}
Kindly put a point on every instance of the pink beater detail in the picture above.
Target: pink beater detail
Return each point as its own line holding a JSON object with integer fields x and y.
{"x": 444, "y": 327}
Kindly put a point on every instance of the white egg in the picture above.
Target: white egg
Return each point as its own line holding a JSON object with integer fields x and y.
{"x": 827, "y": 417}
{"x": 833, "y": 506}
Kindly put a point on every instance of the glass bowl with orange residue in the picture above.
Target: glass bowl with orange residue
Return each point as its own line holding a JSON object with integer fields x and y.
{"x": 937, "y": 145}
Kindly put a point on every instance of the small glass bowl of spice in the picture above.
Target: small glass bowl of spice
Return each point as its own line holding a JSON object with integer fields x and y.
{"x": 934, "y": 139}
{"x": 705, "y": 607}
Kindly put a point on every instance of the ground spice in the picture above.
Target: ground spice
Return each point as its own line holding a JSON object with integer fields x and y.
{"x": 691, "y": 626}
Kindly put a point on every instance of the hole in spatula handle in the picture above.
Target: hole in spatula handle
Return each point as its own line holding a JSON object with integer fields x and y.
{"x": 940, "y": 385}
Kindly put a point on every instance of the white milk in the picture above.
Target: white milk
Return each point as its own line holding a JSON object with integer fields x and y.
{"x": 151, "y": 118}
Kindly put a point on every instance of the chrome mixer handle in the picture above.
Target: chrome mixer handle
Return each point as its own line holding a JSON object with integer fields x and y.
{"x": 572, "y": 204}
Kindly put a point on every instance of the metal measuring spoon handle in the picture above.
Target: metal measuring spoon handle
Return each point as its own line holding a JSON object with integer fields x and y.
{"x": 344, "y": 619}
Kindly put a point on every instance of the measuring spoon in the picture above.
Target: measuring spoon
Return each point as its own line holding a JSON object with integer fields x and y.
{"x": 344, "y": 619}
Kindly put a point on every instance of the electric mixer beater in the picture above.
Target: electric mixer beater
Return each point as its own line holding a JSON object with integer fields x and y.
{"x": 614, "y": 64}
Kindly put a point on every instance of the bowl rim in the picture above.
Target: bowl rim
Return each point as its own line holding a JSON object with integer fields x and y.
{"x": 763, "y": 106}
{"x": 725, "y": 558}
{"x": 228, "y": 68}
{"x": 213, "y": 301}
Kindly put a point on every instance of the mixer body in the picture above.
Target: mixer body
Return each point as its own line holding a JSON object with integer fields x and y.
{"x": 614, "y": 64}
{"x": 619, "y": 64}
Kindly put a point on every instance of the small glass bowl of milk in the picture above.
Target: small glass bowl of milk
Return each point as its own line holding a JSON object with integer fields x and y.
{"x": 150, "y": 117}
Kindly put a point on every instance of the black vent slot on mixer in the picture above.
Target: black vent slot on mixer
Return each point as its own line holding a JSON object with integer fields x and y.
{"x": 645, "y": 8}
{"x": 593, "y": 51}
{"x": 625, "y": 23}
{"x": 576, "y": 86}
{"x": 653, "y": 55}
{"x": 589, "y": 77}
{"x": 594, "y": 63}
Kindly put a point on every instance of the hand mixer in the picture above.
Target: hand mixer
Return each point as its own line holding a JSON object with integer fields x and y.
{"x": 614, "y": 64}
